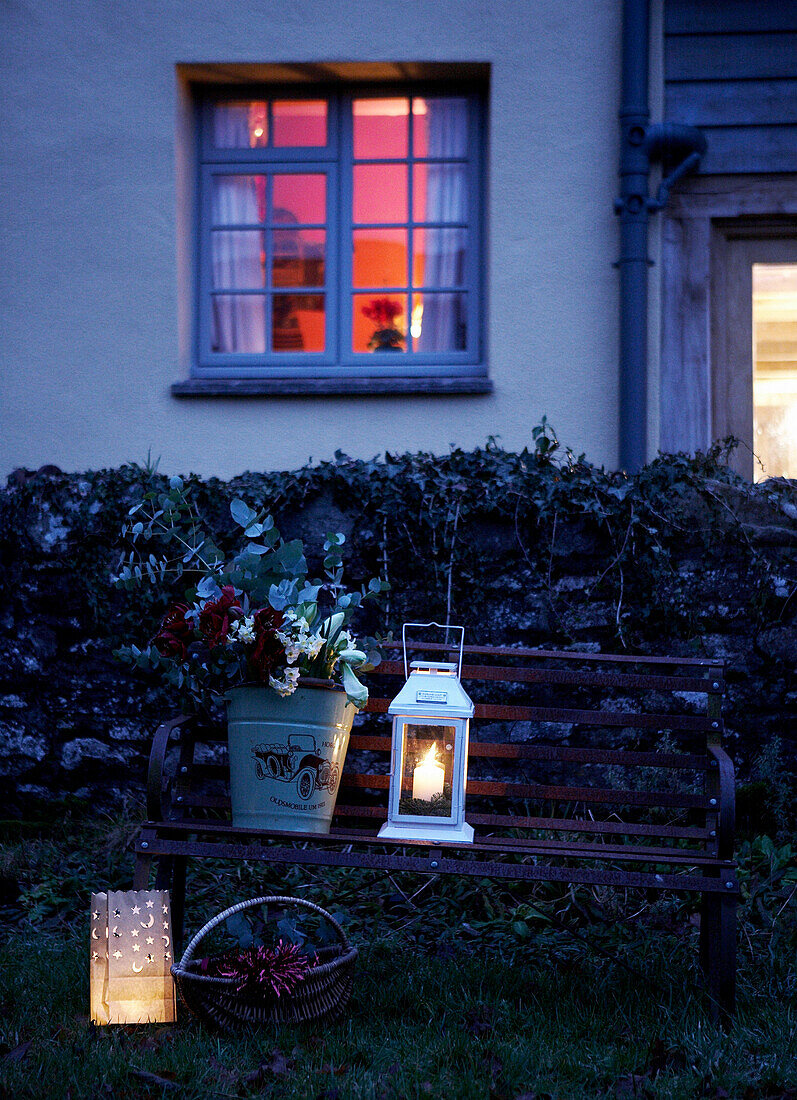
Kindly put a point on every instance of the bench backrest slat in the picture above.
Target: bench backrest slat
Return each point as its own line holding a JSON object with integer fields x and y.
{"x": 575, "y": 678}
{"x": 548, "y": 737}
{"x": 627, "y": 719}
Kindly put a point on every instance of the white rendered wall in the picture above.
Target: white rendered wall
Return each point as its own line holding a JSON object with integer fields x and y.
{"x": 94, "y": 306}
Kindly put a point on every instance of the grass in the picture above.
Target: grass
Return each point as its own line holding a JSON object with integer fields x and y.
{"x": 466, "y": 992}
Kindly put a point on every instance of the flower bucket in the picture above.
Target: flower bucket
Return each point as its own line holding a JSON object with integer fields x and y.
{"x": 286, "y": 755}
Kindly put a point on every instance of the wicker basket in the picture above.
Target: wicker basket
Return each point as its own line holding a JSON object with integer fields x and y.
{"x": 322, "y": 994}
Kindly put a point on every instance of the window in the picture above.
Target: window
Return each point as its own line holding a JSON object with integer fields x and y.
{"x": 340, "y": 236}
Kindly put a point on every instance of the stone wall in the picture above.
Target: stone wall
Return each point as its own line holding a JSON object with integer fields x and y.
{"x": 682, "y": 560}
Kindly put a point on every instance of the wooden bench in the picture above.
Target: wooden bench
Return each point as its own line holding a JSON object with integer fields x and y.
{"x": 583, "y": 768}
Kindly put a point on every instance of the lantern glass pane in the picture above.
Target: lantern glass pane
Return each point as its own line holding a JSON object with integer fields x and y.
{"x": 427, "y": 768}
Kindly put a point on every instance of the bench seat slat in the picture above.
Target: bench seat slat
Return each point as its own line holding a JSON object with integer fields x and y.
{"x": 509, "y": 821}
{"x": 321, "y": 856}
{"x": 552, "y": 824}
{"x": 505, "y": 845}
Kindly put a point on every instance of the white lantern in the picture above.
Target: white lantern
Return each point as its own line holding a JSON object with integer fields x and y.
{"x": 429, "y": 753}
{"x": 130, "y": 958}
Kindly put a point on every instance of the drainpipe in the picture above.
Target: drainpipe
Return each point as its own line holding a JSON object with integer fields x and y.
{"x": 641, "y": 143}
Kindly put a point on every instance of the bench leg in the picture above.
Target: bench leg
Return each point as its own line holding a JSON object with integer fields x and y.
{"x": 177, "y": 897}
{"x": 718, "y": 954}
{"x": 141, "y": 871}
{"x": 171, "y": 876}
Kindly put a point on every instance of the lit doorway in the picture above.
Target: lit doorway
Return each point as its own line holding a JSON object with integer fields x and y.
{"x": 774, "y": 302}
{"x": 754, "y": 349}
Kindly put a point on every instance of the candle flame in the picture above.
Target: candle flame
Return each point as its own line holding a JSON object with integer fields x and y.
{"x": 431, "y": 756}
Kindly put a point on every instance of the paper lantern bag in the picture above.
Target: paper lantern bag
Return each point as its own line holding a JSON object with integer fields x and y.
{"x": 130, "y": 958}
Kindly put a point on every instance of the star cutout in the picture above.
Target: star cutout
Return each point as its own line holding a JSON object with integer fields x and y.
{"x": 150, "y": 939}
{"x": 134, "y": 932}
{"x": 165, "y": 926}
{"x": 136, "y": 946}
{"x": 94, "y": 955}
{"x": 117, "y": 912}
{"x": 166, "y": 955}
{"x": 150, "y": 958}
{"x": 150, "y": 904}
{"x": 166, "y": 910}
{"x": 117, "y": 954}
{"x": 96, "y": 915}
{"x": 136, "y": 909}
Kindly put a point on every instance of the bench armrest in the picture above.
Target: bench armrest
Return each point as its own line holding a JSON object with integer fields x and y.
{"x": 726, "y": 812}
{"x": 158, "y": 783}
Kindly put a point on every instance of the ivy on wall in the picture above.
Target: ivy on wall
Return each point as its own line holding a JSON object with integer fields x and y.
{"x": 457, "y": 535}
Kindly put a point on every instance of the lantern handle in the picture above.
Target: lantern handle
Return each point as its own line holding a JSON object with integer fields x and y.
{"x": 440, "y": 626}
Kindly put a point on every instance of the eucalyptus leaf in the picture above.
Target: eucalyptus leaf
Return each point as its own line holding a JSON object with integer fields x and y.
{"x": 242, "y": 513}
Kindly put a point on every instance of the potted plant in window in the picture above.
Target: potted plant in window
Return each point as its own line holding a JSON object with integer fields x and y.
{"x": 383, "y": 312}
{"x": 254, "y": 631}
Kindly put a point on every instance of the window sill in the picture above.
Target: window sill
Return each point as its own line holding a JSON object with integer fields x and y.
{"x": 318, "y": 387}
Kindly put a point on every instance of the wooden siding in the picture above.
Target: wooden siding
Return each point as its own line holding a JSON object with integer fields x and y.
{"x": 731, "y": 70}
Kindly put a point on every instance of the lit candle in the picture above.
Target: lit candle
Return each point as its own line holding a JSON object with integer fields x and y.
{"x": 427, "y": 777}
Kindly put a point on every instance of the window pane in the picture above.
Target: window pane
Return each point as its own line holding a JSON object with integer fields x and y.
{"x": 238, "y": 200}
{"x": 440, "y": 127}
{"x": 380, "y": 193}
{"x": 380, "y": 257}
{"x": 298, "y": 257}
{"x": 379, "y": 323}
{"x": 380, "y": 128}
{"x": 297, "y": 322}
{"x": 438, "y": 257}
{"x": 299, "y": 122}
{"x": 242, "y": 125}
{"x": 775, "y": 370}
{"x": 238, "y": 323}
{"x": 439, "y": 193}
{"x": 238, "y": 259}
{"x": 439, "y": 322}
{"x": 299, "y": 197}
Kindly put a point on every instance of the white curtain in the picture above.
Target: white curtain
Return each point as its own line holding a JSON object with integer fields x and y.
{"x": 238, "y": 322}
{"x": 442, "y": 326}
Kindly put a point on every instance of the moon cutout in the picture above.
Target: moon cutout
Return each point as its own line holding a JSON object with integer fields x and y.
{"x": 116, "y": 933}
{"x": 137, "y": 969}
{"x": 166, "y": 941}
{"x": 94, "y": 935}
{"x": 149, "y": 923}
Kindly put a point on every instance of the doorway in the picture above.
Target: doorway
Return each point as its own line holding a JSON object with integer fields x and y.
{"x": 754, "y": 346}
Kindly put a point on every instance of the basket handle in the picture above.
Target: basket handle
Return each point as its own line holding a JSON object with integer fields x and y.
{"x": 221, "y": 917}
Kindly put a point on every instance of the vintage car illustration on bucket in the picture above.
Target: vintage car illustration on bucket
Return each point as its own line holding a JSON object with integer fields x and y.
{"x": 297, "y": 761}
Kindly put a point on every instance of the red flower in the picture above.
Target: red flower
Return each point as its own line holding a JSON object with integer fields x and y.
{"x": 268, "y": 649}
{"x": 215, "y": 617}
{"x": 174, "y": 636}
{"x": 382, "y": 311}
{"x": 262, "y": 971}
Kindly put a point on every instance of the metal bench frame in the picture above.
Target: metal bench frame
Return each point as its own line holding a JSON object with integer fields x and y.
{"x": 650, "y": 856}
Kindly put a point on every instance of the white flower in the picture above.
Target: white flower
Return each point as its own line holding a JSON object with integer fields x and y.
{"x": 312, "y": 645}
{"x": 288, "y": 685}
{"x": 243, "y": 631}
